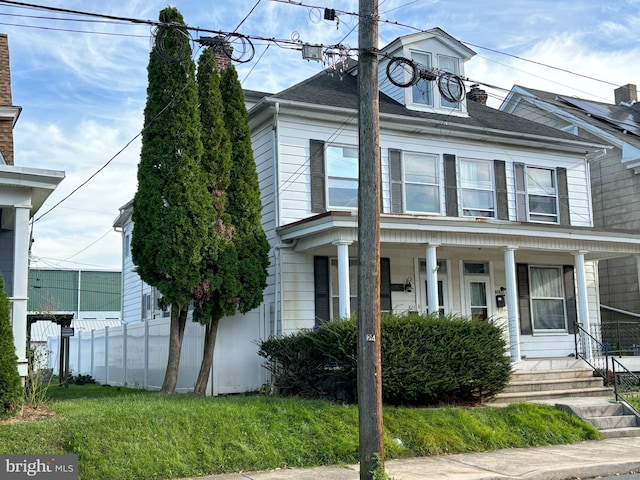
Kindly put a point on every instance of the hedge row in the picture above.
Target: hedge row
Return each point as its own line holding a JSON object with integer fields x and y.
{"x": 426, "y": 360}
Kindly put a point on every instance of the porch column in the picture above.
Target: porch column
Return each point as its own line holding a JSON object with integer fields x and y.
{"x": 344, "y": 295}
{"x": 513, "y": 313}
{"x": 583, "y": 304}
{"x": 432, "y": 277}
{"x": 20, "y": 286}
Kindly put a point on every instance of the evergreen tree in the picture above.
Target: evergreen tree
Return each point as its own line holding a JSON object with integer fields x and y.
{"x": 244, "y": 204}
{"x": 11, "y": 392}
{"x": 219, "y": 290}
{"x": 171, "y": 208}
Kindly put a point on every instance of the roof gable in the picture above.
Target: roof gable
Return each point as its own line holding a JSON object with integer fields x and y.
{"x": 422, "y": 41}
{"x": 617, "y": 125}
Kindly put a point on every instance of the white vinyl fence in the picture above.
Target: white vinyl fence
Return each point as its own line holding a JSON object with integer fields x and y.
{"x": 135, "y": 354}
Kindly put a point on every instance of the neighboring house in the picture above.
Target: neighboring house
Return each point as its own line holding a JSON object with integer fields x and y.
{"x": 22, "y": 193}
{"x": 92, "y": 298}
{"x": 484, "y": 214}
{"x": 139, "y": 300}
{"x": 614, "y": 173}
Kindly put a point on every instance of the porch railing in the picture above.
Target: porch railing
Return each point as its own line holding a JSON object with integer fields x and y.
{"x": 625, "y": 383}
{"x": 591, "y": 350}
{"x": 621, "y": 337}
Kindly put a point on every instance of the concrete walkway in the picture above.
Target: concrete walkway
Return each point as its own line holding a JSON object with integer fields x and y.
{"x": 584, "y": 460}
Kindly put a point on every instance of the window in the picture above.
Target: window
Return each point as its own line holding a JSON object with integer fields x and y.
{"x": 542, "y": 195}
{"x": 476, "y": 268}
{"x": 421, "y": 182}
{"x": 477, "y": 192}
{"x": 342, "y": 176}
{"x": 146, "y": 306}
{"x": 422, "y": 92}
{"x": 448, "y": 64}
{"x": 326, "y": 280}
{"x": 127, "y": 245}
{"x": 547, "y": 299}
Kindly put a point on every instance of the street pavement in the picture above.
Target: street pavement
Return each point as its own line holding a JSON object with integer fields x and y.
{"x": 597, "y": 458}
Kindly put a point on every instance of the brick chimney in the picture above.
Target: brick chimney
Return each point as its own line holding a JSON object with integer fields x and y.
{"x": 477, "y": 94}
{"x": 8, "y": 112}
{"x": 218, "y": 45}
{"x": 626, "y": 94}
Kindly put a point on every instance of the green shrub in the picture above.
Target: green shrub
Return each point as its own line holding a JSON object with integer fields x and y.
{"x": 11, "y": 392}
{"x": 82, "y": 380}
{"x": 426, "y": 360}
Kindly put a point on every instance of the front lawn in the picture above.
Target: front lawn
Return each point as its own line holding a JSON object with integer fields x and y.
{"x": 127, "y": 434}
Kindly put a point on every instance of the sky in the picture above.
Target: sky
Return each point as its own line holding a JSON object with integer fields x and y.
{"x": 81, "y": 80}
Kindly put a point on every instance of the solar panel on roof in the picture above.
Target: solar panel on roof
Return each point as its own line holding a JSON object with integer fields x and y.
{"x": 625, "y": 118}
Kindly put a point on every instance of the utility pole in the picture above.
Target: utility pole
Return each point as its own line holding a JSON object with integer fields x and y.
{"x": 368, "y": 336}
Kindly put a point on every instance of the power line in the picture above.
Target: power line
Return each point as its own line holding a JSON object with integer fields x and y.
{"x": 395, "y": 23}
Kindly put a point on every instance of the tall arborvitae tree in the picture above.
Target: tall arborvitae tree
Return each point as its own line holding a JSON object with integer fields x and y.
{"x": 172, "y": 208}
{"x": 217, "y": 294}
{"x": 244, "y": 204}
{"x": 11, "y": 393}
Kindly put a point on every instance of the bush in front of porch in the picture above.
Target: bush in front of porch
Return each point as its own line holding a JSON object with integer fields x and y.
{"x": 426, "y": 360}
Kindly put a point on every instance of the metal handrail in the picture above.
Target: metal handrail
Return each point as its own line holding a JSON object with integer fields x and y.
{"x": 590, "y": 354}
{"x": 625, "y": 383}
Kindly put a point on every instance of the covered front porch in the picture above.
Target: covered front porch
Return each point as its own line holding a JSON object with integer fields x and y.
{"x": 535, "y": 280}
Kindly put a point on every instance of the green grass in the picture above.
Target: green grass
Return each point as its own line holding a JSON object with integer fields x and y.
{"x": 126, "y": 434}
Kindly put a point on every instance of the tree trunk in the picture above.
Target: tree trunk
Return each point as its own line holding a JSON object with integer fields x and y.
{"x": 176, "y": 335}
{"x": 207, "y": 357}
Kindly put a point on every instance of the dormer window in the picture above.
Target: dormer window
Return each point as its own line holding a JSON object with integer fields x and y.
{"x": 422, "y": 92}
{"x": 451, "y": 65}
{"x": 425, "y": 92}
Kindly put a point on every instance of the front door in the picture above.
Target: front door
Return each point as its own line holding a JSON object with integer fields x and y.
{"x": 478, "y": 299}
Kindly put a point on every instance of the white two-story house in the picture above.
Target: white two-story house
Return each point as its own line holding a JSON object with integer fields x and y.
{"x": 483, "y": 214}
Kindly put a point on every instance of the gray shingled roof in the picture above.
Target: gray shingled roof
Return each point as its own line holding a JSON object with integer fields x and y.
{"x": 554, "y": 99}
{"x": 331, "y": 88}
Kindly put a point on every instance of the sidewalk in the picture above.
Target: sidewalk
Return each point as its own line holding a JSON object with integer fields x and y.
{"x": 579, "y": 461}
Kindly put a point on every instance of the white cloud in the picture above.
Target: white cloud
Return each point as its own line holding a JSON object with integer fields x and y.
{"x": 83, "y": 94}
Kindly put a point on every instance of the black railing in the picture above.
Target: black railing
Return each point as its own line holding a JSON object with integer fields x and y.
{"x": 591, "y": 350}
{"x": 619, "y": 337}
{"x": 626, "y": 384}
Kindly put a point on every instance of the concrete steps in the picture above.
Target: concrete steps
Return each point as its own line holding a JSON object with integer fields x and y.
{"x": 538, "y": 384}
{"x": 571, "y": 386}
{"x": 612, "y": 419}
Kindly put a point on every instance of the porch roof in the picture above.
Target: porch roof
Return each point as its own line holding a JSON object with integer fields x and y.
{"x": 331, "y": 227}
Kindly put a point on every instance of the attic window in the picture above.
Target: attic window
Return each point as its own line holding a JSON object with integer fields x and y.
{"x": 425, "y": 92}
{"x": 451, "y": 65}
{"x": 422, "y": 92}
